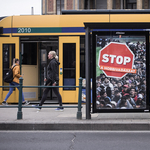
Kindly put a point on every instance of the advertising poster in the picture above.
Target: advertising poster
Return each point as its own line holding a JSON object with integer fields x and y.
{"x": 121, "y": 72}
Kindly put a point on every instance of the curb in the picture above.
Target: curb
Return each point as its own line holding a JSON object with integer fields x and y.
{"x": 68, "y": 126}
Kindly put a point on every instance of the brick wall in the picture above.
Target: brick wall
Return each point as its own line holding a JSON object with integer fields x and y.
{"x": 69, "y": 4}
{"x": 50, "y": 6}
{"x": 118, "y": 4}
{"x": 146, "y": 4}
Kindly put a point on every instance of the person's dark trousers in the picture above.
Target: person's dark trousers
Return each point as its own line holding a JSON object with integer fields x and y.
{"x": 56, "y": 91}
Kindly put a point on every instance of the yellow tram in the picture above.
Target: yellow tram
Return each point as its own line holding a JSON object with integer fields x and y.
{"x": 30, "y": 38}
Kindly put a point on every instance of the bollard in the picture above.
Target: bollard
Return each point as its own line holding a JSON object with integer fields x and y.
{"x": 79, "y": 113}
{"x": 19, "y": 114}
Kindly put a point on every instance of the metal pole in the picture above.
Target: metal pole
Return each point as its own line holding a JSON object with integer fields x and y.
{"x": 79, "y": 113}
{"x": 87, "y": 71}
{"x": 32, "y": 11}
{"x": 19, "y": 114}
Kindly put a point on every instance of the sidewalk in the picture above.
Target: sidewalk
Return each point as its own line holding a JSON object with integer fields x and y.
{"x": 49, "y": 119}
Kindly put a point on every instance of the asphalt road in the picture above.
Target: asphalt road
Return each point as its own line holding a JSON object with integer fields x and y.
{"x": 74, "y": 140}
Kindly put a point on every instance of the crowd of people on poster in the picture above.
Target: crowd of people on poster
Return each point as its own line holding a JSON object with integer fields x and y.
{"x": 128, "y": 92}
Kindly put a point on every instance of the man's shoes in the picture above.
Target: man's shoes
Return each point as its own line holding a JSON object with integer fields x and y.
{"x": 25, "y": 103}
{"x": 4, "y": 103}
{"x": 37, "y": 107}
{"x": 59, "y": 109}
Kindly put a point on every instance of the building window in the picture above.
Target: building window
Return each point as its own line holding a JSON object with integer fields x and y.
{"x": 130, "y": 4}
{"x": 85, "y": 4}
{"x": 90, "y": 4}
{"x": 60, "y": 6}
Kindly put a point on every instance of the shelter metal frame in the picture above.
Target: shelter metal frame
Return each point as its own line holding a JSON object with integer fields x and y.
{"x": 121, "y": 26}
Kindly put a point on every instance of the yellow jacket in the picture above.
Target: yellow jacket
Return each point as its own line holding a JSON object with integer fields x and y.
{"x": 16, "y": 73}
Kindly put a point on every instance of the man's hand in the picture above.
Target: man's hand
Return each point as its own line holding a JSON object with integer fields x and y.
{"x": 54, "y": 83}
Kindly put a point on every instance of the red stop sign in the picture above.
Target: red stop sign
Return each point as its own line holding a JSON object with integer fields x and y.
{"x": 116, "y": 60}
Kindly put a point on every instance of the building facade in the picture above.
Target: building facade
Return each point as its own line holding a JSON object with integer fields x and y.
{"x": 53, "y": 7}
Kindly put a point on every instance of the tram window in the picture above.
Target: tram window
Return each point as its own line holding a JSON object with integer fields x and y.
{"x": 82, "y": 56}
{"x": 29, "y": 54}
{"x": 8, "y": 55}
{"x": 69, "y": 65}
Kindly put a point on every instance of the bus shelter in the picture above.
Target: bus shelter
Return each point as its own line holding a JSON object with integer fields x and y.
{"x": 120, "y": 67}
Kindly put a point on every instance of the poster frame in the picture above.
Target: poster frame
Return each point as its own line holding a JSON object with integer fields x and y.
{"x": 129, "y": 33}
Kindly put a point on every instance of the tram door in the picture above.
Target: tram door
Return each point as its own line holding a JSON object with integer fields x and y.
{"x": 69, "y": 58}
{"x": 9, "y": 49}
{"x": 29, "y": 54}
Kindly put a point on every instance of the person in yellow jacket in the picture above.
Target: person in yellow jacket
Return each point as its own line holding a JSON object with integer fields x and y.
{"x": 16, "y": 75}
